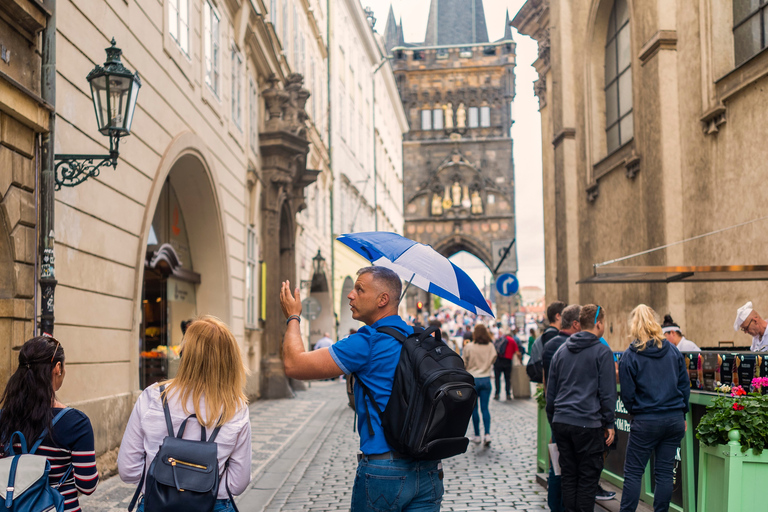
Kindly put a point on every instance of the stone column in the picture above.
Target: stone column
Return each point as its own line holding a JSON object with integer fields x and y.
{"x": 284, "y": 148}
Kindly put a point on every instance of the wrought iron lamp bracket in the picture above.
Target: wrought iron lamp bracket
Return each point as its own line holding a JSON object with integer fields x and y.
{"x": 72, "y": 170}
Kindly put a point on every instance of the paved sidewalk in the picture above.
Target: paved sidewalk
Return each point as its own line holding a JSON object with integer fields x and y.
{"x": 275, "y": 425}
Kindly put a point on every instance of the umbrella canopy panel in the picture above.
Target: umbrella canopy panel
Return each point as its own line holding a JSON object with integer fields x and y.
{"x": 681, "y": 274}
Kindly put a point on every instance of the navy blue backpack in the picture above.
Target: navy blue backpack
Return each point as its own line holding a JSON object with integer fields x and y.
{"x": 26, "y": 474}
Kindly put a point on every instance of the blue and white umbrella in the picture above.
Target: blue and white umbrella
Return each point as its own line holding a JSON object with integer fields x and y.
{"x": 420, "y": 265}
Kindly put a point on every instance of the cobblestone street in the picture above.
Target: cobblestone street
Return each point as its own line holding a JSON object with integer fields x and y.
{"x": 304, "y": 459}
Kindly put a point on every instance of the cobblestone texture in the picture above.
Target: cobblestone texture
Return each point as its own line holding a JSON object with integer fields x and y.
{"x": 500, "y": 477}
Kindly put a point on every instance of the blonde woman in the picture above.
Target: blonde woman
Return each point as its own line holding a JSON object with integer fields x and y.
{"x": 209, "y": 384}
{"x": 478, "y": 360}
{"x": 655, "y": 390}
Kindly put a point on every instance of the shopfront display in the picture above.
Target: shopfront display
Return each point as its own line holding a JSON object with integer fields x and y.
{"x": 169, "y": 291}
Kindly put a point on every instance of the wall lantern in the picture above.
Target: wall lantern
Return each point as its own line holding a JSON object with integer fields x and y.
{"x": 317, "y": 263}
{"x": 114, "y": 90}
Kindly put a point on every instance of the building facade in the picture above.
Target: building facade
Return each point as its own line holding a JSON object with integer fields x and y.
{"x": 24, "y": 117}
{"x": 457, "y": 90}
{"x": 651, "y": 136}
{"x": 206, "y": 210}
{"x": 368, "y": 123}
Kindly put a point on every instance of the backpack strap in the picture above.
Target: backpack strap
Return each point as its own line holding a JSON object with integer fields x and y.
{"x": 214, "y": 434}
{"x": 167, "y": 412}
{"x": 22, "y": 442}
{"x": 45, "y": 430}
{"x": 226, "y": 482}
{"x": 11, "y": 482}
{"x": 395, "y": 333}
{"x": 138, "y": 489}
{"x": 367, "y": 392}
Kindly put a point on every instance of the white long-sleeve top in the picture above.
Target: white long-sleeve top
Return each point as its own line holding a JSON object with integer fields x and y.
{"x": 146, "y": 430}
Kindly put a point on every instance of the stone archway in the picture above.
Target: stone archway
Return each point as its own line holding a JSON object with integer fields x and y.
{"x": 453, "y": 244}
{"x": 186, "y": 166}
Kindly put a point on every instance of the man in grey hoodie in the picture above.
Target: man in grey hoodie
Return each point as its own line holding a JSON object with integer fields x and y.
{"x": 581, "y": 397}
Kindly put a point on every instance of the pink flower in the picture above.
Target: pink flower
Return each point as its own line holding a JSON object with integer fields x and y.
{"x": 738, "y": 391}
{"x": 737, "y": 407}
{"x": 760, "y": 382}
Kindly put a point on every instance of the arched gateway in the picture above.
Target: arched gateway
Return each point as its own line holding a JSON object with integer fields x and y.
{"x": 457, "y": 89}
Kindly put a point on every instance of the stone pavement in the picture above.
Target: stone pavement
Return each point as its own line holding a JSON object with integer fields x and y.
{"x": 275, "y": 425}
{"x": 304, "y": 459}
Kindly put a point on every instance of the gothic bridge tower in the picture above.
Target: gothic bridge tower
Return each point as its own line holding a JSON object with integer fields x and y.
{"x": 457, "y": 89}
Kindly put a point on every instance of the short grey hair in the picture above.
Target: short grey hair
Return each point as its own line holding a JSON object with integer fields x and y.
{"x": 388, "y": 277}
{"x": 569, "y": 315}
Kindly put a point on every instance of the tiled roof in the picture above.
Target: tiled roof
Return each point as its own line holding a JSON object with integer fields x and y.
{"x": 456, "y": 22}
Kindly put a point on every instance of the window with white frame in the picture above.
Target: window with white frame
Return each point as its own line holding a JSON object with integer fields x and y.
{"x": 178, "y": 23}
{"x": 474, "y": 118}
{"x": 342, "y": 95}
{"x": 253, "y": 113}
{"x": 750, "y": 34}
{"x": 619, "y": 127}
{"x": 485, "y": 116}
{"x": 273, "y": 13}
{"x": 251, "y": 276}
{"x": 237, "y": 87}
{"x": 437, "y": 119}
{"x": 211, "y": 21}
{"x": 296, "y": 35}
{"x": 426, "y": 119}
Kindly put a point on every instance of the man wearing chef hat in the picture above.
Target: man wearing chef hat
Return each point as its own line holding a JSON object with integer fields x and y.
{"x": 748, "y": 321}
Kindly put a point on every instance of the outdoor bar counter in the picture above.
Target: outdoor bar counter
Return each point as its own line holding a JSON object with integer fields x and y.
{"x": 705, "y": 368}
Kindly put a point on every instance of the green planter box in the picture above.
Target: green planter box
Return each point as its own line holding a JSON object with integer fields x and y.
{"x": 543, "y": 435}
{"x": 729, "y": 480}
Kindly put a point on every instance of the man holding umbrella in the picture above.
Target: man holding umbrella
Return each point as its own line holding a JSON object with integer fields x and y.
{"x": 373, "y": 356}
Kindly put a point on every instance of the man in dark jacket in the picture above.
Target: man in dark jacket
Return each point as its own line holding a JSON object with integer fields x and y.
{"x": 568, "y": 326}
{"x": 534, "y": 368}
{"x": 581, "y": 397}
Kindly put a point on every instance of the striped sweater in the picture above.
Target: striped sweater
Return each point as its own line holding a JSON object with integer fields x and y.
{"x": 70, "y": 445}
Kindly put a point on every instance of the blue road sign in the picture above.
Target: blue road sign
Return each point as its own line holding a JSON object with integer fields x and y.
{"x": 507, "y": 284}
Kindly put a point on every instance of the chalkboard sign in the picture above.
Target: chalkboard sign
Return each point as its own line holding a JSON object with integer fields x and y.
{"x": 727, "y": 367}
{"x": 614, "y": 462}
{"x": 693, "y": 364}
{"x": 710, "y": 367}
{"x": 746, "y": 371}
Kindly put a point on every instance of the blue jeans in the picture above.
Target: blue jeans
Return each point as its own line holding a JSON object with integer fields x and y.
{"x": 397, "y": 485}
{"x": 483, "y": 387}
{"x": 221, "y": 506}
{"x": 659, "y": 435}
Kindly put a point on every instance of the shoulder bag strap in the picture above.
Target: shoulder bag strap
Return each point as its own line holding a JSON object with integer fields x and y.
{"x": 166, "y": 412}
{"x": 214, "y": 434}
{"x": 45, "y": 430}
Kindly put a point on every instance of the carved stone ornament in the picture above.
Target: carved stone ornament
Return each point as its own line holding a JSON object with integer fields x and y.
{"x": 540, "y": 90}
{"x": 592, "y": 193}
{"x": 713, "y": 119}
{"x": 632, "y": 167}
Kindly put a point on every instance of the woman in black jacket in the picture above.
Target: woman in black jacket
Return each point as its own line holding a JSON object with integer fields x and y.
{"x": 655, "y": 390}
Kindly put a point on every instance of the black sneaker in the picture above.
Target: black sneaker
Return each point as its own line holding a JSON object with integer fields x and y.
{"x": 495, "y": 397}
{"x": 603, "y": 495}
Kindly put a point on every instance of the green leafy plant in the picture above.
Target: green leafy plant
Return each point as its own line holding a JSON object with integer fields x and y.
{"x": 746, "y": 412}
{"x": 541, "y": 397}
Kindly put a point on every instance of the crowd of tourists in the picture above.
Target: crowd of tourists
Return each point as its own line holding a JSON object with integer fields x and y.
{"x": 580, "y": 373}
{"x": 187, "y": 444}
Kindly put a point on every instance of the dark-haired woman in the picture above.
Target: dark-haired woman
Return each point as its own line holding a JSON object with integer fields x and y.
{"x": 478, "y": 360}
{"x": 29, "y": 405}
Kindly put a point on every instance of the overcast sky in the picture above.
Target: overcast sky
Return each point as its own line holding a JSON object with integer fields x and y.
{"x": 526, "y": 132}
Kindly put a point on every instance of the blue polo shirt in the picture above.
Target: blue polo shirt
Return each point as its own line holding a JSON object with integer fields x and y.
{"x": 373, "y": 357}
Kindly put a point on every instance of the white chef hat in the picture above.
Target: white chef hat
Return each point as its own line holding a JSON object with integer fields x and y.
{"x": 742, "y": 314}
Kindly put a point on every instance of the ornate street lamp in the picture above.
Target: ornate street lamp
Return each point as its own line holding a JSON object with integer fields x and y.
{"x": 114, "y": 90}
{"x": 317, "y": 263}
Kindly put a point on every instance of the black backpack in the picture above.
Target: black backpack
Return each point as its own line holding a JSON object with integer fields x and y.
{"x": 184, "y": 474}
{"x": 535, "y": 366}
{"x": 432, "y": 398}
